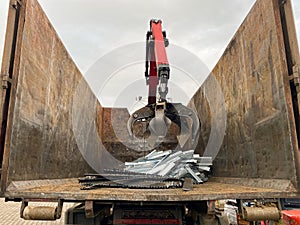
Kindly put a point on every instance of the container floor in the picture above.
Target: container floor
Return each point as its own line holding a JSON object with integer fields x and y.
{"x": 215, "y": 188}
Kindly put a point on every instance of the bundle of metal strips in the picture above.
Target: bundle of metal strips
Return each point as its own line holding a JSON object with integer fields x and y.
{"x": 158, "y": 169}
{"x": 173, "y": 164}
{"x": 117, "y": 179}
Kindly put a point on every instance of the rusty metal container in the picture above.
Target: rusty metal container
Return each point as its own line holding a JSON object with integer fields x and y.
{"x": 255, "y": 114}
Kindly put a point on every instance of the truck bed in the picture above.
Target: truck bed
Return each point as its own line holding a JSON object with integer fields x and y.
{"x": 216, "y": 188}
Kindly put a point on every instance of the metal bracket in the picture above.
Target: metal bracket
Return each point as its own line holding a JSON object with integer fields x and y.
{"x": 295, "y": 77}
{"x": 92, "y": 209}
{"x": 5, "y": 80}
{"x": 283, "y": 2}
{"x": 59, "y": 208}
{"x": 89, "y": 209}
{"x": 16, "y": 4}
{"x": 23, "y": 206}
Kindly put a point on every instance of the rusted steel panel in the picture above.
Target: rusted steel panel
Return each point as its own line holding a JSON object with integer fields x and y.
{"x": 115, "y": 125}
{"x": 42, "y": 143}
{"x": 253, "y": 77}
{"x": 116, "y": 139}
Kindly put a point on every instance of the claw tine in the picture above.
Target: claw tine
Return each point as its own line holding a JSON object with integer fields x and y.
{"x": 129, "y": 126}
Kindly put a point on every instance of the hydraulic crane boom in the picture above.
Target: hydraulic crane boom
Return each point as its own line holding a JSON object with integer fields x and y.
{"x": 156, "y": 117}
{"x": 156, "y": 56}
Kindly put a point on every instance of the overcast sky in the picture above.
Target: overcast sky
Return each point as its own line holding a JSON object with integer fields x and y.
{"x": 92, "y": 28}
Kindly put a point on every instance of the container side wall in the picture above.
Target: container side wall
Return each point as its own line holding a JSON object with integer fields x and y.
{"x": 253, "y": 80}
{"x": 42, "y": 143}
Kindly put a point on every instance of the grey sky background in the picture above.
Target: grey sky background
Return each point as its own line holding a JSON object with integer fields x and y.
{"x": 92, "y": 28}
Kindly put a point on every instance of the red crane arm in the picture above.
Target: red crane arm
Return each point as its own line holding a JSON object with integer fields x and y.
{"x": 156, "y": 56}
{"x": 159, "y": 43}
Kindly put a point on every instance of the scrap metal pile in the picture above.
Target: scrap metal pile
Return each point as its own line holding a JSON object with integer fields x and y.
{"x": 158, "y": 169}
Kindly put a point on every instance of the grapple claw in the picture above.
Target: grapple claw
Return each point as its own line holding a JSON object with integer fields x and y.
{"x": 153, "y": 122}
{"x": 159, "y": 125}
{"x": 189, "y": 125}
